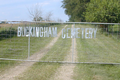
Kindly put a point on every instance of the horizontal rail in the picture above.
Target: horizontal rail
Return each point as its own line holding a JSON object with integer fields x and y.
{"x": 62, "y": 62}
{"x": 63, "y": 22}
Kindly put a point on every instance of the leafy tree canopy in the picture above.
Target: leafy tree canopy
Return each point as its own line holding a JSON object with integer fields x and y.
{"x": 92, "y": 10}
{"x": 74, "y": 9}
{"x": 103, "y": 11}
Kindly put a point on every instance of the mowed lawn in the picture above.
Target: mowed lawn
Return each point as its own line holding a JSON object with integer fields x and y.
{"x": 44, "y": 71}
{"x": 17, "y": 47}
{"x": 100, "y": 49}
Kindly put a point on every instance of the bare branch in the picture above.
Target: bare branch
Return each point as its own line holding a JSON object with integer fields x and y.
{"x": 35, "y": 12}
{"x": 48, "y": 16}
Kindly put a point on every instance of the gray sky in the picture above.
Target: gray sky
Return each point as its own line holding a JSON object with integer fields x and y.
{"x": 18, "y": 9}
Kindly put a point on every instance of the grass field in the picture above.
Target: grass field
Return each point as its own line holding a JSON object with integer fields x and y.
{"x": 100, "y": 49}
{"x": 17, "y": 47}
{"x": 44, "y": 71}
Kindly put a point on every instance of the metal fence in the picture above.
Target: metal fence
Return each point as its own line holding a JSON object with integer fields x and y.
{"x": 69, "y": 42}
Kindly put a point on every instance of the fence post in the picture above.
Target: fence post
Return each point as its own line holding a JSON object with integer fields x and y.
{"x": 73, "y": 42}
{"x": 117, "y": 30}
{"x": 29, "y": 43}
{"x": 112, "y": 31}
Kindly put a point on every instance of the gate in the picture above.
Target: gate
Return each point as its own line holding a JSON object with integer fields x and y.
{"x": 69, "y": 42}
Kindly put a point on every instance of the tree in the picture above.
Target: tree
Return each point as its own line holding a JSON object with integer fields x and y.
{"x": 35, "y": 12}
{"x": 38, "y": 19}
{"x": 103, "y": 11}
{"x": 59, "y": 20}
{"x": 75, "y": 8}
{"x": 48, "y": 16}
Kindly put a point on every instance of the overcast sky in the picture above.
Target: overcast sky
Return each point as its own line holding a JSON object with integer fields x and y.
{"x": 18, "y": 9}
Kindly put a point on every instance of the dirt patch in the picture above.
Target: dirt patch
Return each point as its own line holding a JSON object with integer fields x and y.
{"x": 65, "y": 72}
{"x": 13, "y": 72}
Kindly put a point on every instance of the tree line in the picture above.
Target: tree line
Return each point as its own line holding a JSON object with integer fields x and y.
{"x": 92, "y": 10}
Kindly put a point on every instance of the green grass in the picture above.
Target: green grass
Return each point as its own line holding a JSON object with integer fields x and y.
{"x": 101, "y": 49}
{"x": 44, "y": 71}
{"x": 96, "y": 72}
{"x": 17, "y": 48}
{"x": 113, "y": 31}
